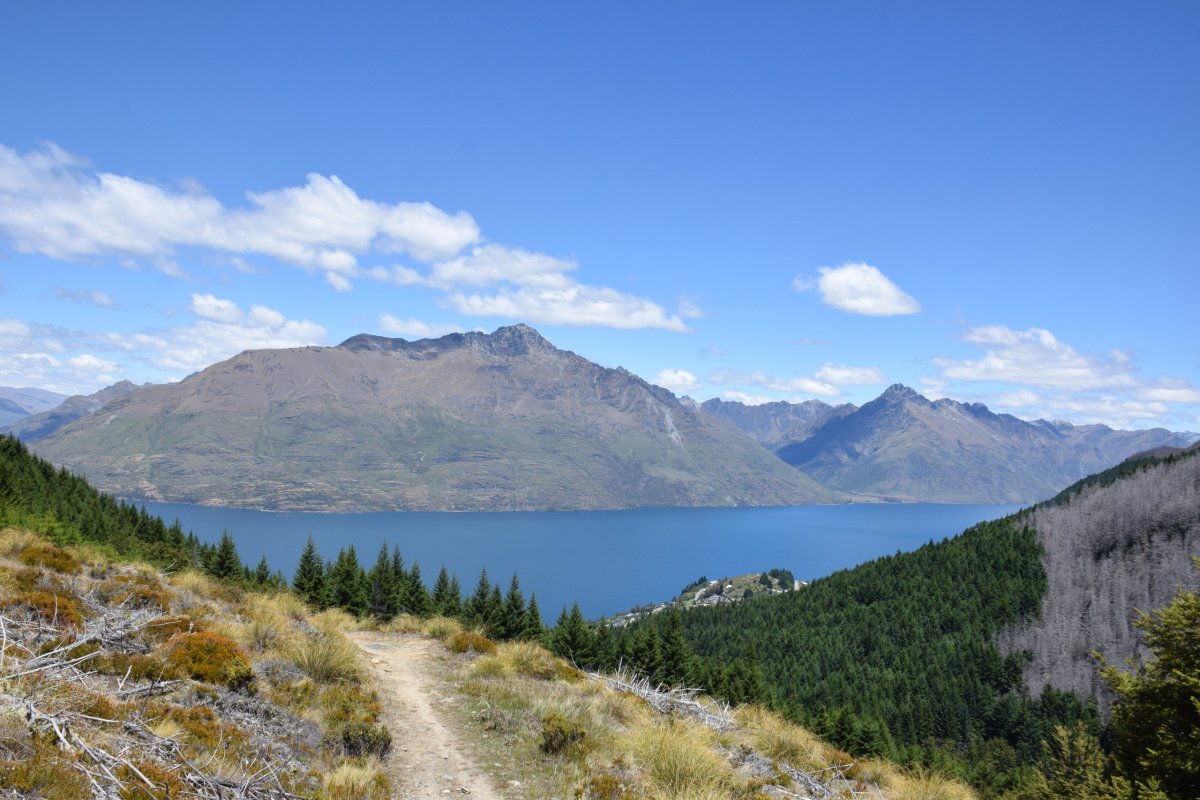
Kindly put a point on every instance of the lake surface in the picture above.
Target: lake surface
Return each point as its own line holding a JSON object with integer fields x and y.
{"x": 607, "y": 561}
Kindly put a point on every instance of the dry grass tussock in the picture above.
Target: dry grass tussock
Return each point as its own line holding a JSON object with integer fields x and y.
{"x": 170, "y": 687}
{"x": 578, "y": 737}
{"x": 441, "y": 627}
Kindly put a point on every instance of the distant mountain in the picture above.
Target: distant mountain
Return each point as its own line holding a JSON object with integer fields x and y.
{"x": 39, "y": 426}
{"x": 774, "y": 425}
{"x": 469, "y": 421}
{"x": 902, "y": 446}
{"x": 19, "y": 403}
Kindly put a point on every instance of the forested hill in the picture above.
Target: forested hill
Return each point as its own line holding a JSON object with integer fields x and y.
{"x": 911, "y": 639}
{"x": 1116, "y": 543}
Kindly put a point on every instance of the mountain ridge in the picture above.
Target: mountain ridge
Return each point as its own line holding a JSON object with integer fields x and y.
{"x": 470, "y": 421}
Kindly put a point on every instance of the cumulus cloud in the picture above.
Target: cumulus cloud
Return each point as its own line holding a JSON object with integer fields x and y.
{"x": 841, "y": 375}
{"x": 87, "y": 296}
{"x": 859, "y": 289}
{"x": 413, "y": 328}
{"x": 747, "y": 399}
{"x": 222, "y": 329}
{"x": 574, "y": 305}
{"x": 794, "y": 386}
{"x": 1020, "y": 399}
{"x": 679, "y": 381}
{"x": 51, "y": 204}
{"x": 1036, "y": 358}
{"x": 1171, "y": 391}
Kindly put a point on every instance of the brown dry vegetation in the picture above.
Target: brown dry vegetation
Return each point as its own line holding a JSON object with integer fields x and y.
{"x": 116, "y": 681}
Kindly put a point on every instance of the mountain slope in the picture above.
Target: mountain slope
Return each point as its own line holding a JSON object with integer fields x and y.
{"x": 1111, "y": 548}
{"x": 466, "y": 422}
{"x": 40, "y": 425}
{"x": 17, "y": 403}
{"x": 775, "y": 425}
{"x": 905, "y": 447}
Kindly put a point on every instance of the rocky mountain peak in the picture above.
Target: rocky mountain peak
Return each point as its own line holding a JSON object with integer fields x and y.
{"x": 509, "y": 340}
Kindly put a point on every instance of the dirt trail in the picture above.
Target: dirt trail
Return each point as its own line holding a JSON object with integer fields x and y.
{"x": 429, "y": 759}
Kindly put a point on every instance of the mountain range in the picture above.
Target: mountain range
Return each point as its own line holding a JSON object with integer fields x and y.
{"x": 469, "y": 421}
{"x": 902, "y": 446}
{"x": 18, "y": 403}
{"x": 39, "y": 425}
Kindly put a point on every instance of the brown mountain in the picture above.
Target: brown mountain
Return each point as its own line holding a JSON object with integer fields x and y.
{"x": 775, "y": 425}
{"x": 903, "y": 446}
{"x": 469, "y": 421}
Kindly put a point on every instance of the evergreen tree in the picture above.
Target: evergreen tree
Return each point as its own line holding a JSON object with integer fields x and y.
{"x": 1156, "y": 717}
{"x": 495, "y": 612}
{"x": 309, "y": 580}
{"x": 475, "y": 609}
{"x": 455, "y": 607}
{"x": 262, "y": 573}
{"x": 349, "y": 583}
{"x": 225, "y": 562}
{"x": 532, "y": 628}
{"x": 442, "y": 602}
{"x": 419, "y": 601}
{"x": 513, "y": 617}
{"x": 401, "y": 599}
{"x": 381, "y": 592}
{"x": 676, "y": 665}
{"x": 572, "y": 638}
{"x": 644, "y": 653}
{"x": 604, "y": 648}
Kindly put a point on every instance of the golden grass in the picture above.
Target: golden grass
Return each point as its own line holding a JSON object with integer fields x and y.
{"x": 356, "y": 779}
{"x": 14, "y": 540}
{"x": 335, "y": 620}
{"x": 780, "y": 740}
{"x": 327, "y": 658}
{"x": 681, "y": 763}
{"x": 441, "y": 627}
{"x": 404, "y": 623}
{"x": 921, "y": 785}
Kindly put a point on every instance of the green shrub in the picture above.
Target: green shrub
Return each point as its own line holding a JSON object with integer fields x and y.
{"x": 358, "y": 739}
{"x": 561, "y": 736}
{"x": 50, "y": 557}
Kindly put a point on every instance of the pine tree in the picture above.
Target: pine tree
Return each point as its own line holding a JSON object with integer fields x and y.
{"x": 454, "y": 609}
{"x": 381, "y": 586}
{"x": 418, "y": 596}
{"x": 495, "y": 612}
{"x": 309, "y": 580}
{"x": 349, "y": 583}
{"x": 262, "y": 573}
{"x": 677, "y": 655}
{"x": 401, "y": 599}
{"x": 604, "y": 649}
{"x": 225, "y": 563}
{"x": 645, "y": 651}
{"x": 513, "y": 617}
{"x": 572, "y": 638}
{"x": 442, "y": 602}
{"x": 475, "y": 610}
{"x": 532, "y": 628}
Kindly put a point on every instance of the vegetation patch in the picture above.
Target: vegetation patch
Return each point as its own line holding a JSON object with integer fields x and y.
{"x": 211, "y": 658}
{"x": 470, "y": 642}
{"x": 54, "y": 609}
{"x": 46, "y": 555}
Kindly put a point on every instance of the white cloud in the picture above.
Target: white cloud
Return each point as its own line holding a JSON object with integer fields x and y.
{"x": 222, "y": 330}
{"x": 1115, "y": 412}
{"x": 1171, "y": 391}
{"x": 859, "y": 289}
{"x": 1020, "y": 399}
{"x": 88, "y": 296}
{"x": 494, "y": 263}
{"x": 679, "y": 381}
{"x": 51, "y": 204}
{"x": 1036, "y": 358}
{"x": 92, "y": 370}
{"x": 414, "y": 329}
{"x": 841, "y": 375}
{"x": 794, "y": 386}
{"x": 574, "y": 305}
{"x": 208, "y": 306}
{"x": 747, "y": 399}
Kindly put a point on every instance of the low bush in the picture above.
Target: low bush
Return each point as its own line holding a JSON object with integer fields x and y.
{"x": 359, "y": 739}
{"x": 46, "y": 772}
{"x": 211, "y": 658}
{"x": 561, "y": 736}
{"x": 46, "y": 555}
{"x": 54, "y": 609}
{"x": 470, "y": 641}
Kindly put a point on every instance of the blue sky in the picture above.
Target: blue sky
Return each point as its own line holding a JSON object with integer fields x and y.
{"x": 991, "y": 202}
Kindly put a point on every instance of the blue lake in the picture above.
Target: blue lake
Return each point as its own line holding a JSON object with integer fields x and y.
{"x": 607, "y": 561}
